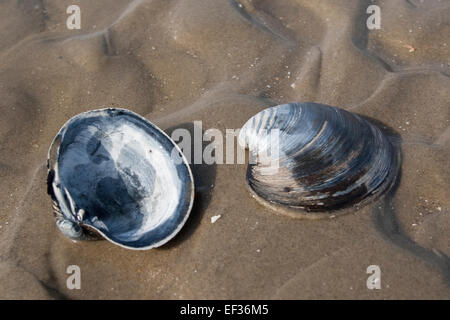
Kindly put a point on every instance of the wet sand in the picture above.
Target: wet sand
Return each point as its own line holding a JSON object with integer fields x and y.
{"x": 220, "y": 62}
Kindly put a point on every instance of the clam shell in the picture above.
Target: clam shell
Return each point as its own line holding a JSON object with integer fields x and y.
{"x": 328, "y": 159}
{"x": 116, "y": 175}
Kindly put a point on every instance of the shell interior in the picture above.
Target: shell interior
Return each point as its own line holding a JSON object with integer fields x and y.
{"x": 122, "y": 176}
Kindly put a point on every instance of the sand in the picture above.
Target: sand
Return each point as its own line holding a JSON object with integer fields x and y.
{"x": 220, "y": 62}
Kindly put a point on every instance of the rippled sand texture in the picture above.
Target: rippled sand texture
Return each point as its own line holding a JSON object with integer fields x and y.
{"x": 221, "y": 62}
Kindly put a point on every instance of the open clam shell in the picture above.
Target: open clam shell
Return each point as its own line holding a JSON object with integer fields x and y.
{"x": 115, "y": 174}
{"x": 326, "y": 159}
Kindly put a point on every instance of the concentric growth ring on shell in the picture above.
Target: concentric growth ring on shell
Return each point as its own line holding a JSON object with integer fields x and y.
{"x": 327, "y": 159}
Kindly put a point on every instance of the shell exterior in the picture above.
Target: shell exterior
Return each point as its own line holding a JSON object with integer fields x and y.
{"x": 328, "y": 159}
{"x": 118, "y": 176}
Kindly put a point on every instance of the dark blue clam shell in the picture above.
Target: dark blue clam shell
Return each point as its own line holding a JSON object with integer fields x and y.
{"x": 327, "y": 158}
{"x": 117, "y": 175}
